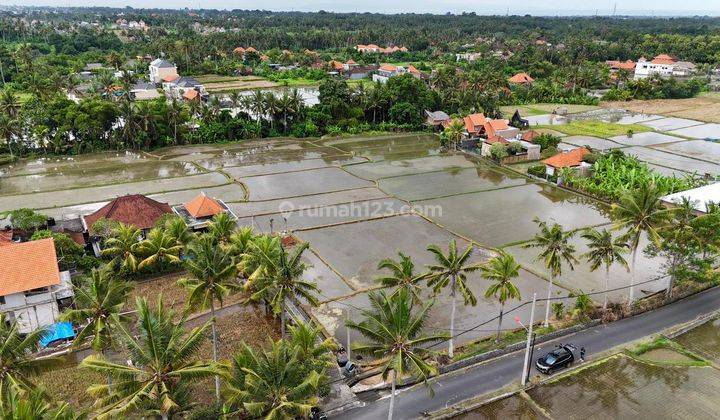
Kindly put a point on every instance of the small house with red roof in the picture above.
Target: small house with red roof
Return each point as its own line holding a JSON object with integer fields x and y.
{"x": 521, "y": 79}
{"x": 33, "y": 291}
{"x": 201, "y": 209}
{"x": 573, "y": 159}
{"x": 160, "y": 69}
{"x": 132, "y": 209}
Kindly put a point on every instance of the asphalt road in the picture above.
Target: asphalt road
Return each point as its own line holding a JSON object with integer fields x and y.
{"x": 492, "y": 375}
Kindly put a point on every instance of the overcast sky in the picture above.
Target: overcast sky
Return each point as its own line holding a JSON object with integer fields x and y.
{"x": 534, "y": 7}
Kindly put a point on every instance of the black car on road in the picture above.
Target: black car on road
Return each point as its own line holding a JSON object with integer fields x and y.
{"x": 562, "y": 356}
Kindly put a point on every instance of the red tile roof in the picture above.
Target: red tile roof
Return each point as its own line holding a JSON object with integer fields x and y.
{"x": 6, "y": 237}
{"x": 171, "y": 78}
{"x": 203, "y": 206}
{"x": 530, "y": 136}
{"x": 28, "y": 265}
{"x": 412, "y": 69}
{"x": 496, "y": 139}
{"x": 567, "y": 159}
{"x": 136, "y": 209}
{"x": 250, "y": 49}
{"x": 388, "y": 67}
{"x": 521, "y": 79}
{"x": 239, "y": 50}
{"x": 336, "y": 65}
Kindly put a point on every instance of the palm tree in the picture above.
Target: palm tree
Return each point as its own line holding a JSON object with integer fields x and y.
{"x": 213, "y": 278}
{"x": 501, "y": 270}
{"x": 402, "y": 276}
{"x": 9, "y": 103}
{"x": 396, "y": 340}
{"x": 123, "y": 246}
{"x": 283, "y": 281}
{"x": 258, "y": 106}
{"x": 272, "y": 384}
{"x": 555, "y": 249}
{"x": 177, "y": 228}
{"x": 638, "y": 211}
{"x": 99, "y": 301}
{"x": 35, "y": 405}
{"x": 310, "y": 345}
{"x": 454, "y": 132}
{"x": 221, "y": 227}
{"x": 450, "y": 270}
{"x": 162, "y": 363}
{"x": 159, "y": 248}
{"x": 17, "y": 362}
{"x": 240, "y": 241}
{"x": 259, "y": 257}
{"x": 9, "y": 129}
{"x": 604, "y": 250}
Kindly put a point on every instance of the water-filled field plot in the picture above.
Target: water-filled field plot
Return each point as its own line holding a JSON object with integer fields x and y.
{"x": 673, "y": 161}
{"x": 670, "y": 123}
{"x": 269, "y": 187}
{"x": 648, "y": 138}
{"x": 698, "y": 149}
{"x": 377, "y": 170}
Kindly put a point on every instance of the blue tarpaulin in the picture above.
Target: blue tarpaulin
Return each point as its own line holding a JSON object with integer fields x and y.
{"x": 57, "y": 331}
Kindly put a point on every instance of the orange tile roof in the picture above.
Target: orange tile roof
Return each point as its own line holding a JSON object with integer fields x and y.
{"x": 28, "y": 265}
{"x": 625, "y": 65}
{"x": 203, "y": 206}
{"x": 412, "y": 69}
{"x": 371, "y": 46}
{"x": 336, "y": 64}
{"x": 250, "y": 49}
{"x": 6, "y": 237}
{"x": 521, "y": 79}
{"x": 567, "y": 159}
{"x": 350, "y": 61}
{"x": 530, "y": 135}
{"x": 491, "y": 126}
{"x": 388, "y": 67}
{"x": 136, "y": 209}
{"x": 473, "y": 121}
{"x": 663, "y": 59}
{"x": 171, "y": 78}
{"x": 264, "y": 57}
{"x": 190, "y": 94}
{"x": 239, "y": 50}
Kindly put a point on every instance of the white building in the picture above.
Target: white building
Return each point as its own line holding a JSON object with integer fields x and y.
{"x": 663, "y": 65}
{"x": 700, "y": 197}
{"x": 162, "y": 69}
{"x": 32, "y": 289}
{"x": 468, "y": 56}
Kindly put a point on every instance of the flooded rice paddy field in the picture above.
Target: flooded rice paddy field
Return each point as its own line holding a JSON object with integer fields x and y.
{"x": 593, "y": 142}
{"x": 703, "y": 340}
{"x": 623, "y": 388}
{"x": 698, "y": 149}
{"x": 512, "y": 407}
{"x": 648, "y": 138}
{"x": 351, "y": 199}
{"x": 670, "y": 123}
{"x": 704, "y": 131}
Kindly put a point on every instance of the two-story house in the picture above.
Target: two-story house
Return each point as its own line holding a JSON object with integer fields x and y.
{"x": 33, "y": 291}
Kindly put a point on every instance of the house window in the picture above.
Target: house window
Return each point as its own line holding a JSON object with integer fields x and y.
{"x": 38, "y": 291}
{"x": 2, "y": 300}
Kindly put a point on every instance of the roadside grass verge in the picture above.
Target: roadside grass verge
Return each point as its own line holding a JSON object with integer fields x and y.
{"x": 596, "y": 128}
{"x": 663, "y": 351}
{"x": 488, "y": 343}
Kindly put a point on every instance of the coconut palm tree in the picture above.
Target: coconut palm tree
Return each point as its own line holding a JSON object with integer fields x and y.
{"x": 310, "y": 345}
{"x": 258, "y": 105}
{"x": 272, "y": 384}
{"x": 212, "y": 272}
{"x": 177, "y": 228}
{"x": 555, "y": 249}
{"x": 454, "y": 132}
{"x": 283, "y": 280}
{"x": 17, "y": 362}
{"x": 450, "y": 271}
{"x": 9, "y": 130}
{"x": 394, "y": 330}
{"x": 639, "y": 211}
{"x": 221, "y": 227}
{"x": 402, "y": 276}
{"x": 122, "y": 246}
{"x": 240, "y": 241}
{"x": 158, "y": 248}
{"x": 34, "y": 406}
{"x": 259, "y": 257}
{"x": 604, "y": 250}
{"x": 162, "y": 363}
{"x": 501, "y": 270}
{"x": 9, "y": 103}
{"x": 99, "y": 301}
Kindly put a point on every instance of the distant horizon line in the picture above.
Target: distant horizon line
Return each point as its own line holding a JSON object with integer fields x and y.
{"x": 495, "y": 12}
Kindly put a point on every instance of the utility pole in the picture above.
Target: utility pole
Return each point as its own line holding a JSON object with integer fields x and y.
{"x": 526, "y": 365}
{"x": 347, "y": 330}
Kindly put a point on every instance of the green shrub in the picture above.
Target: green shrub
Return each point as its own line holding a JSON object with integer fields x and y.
{"x": 514, "y": 148}
{"x": 546, "y": 141}
{"x": 537, "y": 170}
{"x": 498, "y": 151}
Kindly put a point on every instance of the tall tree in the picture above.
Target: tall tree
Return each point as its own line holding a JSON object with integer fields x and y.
{"x": 501, "y": 270}
{"x": 17, "y": 363}
{"x": 158, "y": 248}
{"x": 222, "y": 227}
{"x": 162, "y": 364}
{"x": 212, "y": 272}
{"x": 272, "y": 384}
{"x": 555, "y": 250}
{"x": 450, "y": 271}
{"x": 604, "y": 250}
{"x": 402, "y": 276}
{"x": 122, "y": 246}
{"x": 639, "y": 211}
{"x": 284, "y": 281}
